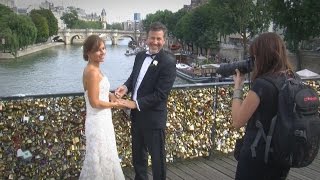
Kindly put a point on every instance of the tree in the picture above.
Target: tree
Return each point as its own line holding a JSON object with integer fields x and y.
{"x": 24, "y": 28}
{"x": 70, "y": 19}
{"x": 41, "y": 24}
{"x": 246, "y": 17}
{"x": 182, "y": 30}
{"x": 204, "y": 32}
{"x": 165, "y": 17}
{"x": 175, "y": 18}
{"x": 17, "y": 30}
{"x": 116, "y": 26}
{"x": 298, "y": 18}
{"x": 80, "y": 24}
{"x": 51, "y": 20}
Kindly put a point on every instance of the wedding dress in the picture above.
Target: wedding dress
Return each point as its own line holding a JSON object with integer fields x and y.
{"x": 101, "y": 158}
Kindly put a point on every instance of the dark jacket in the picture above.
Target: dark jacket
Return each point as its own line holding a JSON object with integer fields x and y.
{"x": 154, "y": 89}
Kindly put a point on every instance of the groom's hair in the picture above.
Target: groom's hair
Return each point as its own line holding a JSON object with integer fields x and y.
{"x": 158, "y": 26}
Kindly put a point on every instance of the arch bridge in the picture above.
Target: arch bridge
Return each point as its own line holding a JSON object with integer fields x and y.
{"x": 68, "y": 35}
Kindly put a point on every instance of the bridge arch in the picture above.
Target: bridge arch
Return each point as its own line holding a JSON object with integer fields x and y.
{"x": 70, "y": 34}
{"x": 76, "y": 37}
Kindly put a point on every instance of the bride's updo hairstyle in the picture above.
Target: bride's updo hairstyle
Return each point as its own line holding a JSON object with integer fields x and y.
{"x": 91, "y": 44}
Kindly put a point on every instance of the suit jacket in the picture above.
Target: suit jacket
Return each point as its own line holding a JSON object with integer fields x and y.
{"x": 153, "y": 91}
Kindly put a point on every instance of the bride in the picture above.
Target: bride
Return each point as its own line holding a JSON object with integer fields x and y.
{"x": 101, "y": 158}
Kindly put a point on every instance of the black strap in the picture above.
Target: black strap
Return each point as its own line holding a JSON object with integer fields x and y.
{"x": 261, "y": 132}
{"x": 258, "y": 137}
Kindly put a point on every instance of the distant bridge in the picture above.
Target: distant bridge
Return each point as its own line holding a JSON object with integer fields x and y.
{"x": 68, "y": 35}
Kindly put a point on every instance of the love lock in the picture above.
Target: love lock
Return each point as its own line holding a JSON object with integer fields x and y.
{"x": 25, "y": 155}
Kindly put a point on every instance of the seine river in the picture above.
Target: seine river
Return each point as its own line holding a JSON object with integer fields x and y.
{"x": 59, "y": 70}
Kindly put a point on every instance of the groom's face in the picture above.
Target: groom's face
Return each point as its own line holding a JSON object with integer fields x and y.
{"x": 155, "y": 41}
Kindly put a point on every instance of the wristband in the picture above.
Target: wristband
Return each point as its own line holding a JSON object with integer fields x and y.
{"x": 237, "y": 94}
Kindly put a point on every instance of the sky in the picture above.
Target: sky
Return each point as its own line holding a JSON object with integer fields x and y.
{"x": 117, "y": 10}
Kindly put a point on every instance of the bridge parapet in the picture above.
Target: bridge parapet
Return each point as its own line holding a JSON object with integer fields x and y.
{"x": 51, "y": 128}
{"x": 69, "y": 34}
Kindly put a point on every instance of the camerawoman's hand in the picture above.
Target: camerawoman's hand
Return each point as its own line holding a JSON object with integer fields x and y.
{"x": 238, "y": 79}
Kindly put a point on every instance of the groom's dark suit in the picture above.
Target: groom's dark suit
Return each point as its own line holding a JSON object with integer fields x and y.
{"x": 148, "y": 124}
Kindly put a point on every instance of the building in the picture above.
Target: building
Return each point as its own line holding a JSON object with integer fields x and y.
{"x": 195, "y": 4}
{"x": 137, "y": 17}
{"x": 128, "y": 25}
{"x": 46, "y": 5}
{"x": 8, "y": 3}
{"x": 104, "y": 18}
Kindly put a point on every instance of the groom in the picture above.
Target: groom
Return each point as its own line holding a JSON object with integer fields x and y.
{"x": 150, "y": 82}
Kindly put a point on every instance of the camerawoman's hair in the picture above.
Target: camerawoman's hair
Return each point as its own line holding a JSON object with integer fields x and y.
{"x": 270, "y": 55}
{"x": 91, "y": 44}
{"x": 158, "y": 26}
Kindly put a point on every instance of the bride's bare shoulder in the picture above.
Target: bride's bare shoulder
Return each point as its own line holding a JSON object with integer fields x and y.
{"x": 90, "y": 72}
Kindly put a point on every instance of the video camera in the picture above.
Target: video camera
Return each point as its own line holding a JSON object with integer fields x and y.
{"x": 244, "y": 66}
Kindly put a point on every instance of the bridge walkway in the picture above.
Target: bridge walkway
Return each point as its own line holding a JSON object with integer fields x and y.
{"x": 221, "y": 168}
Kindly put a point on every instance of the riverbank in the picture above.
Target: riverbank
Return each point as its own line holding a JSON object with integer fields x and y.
{"x": 30, "y": 49}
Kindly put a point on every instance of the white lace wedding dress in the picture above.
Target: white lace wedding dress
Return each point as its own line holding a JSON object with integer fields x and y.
{"x": 101, "y": 158}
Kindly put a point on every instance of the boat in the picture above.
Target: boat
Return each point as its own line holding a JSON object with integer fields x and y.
{"x": 202, "y": 74}
{"x": 130, "y": 52}
{"x": 174, "y": 47}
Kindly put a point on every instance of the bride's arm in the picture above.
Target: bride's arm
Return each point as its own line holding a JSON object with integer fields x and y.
{"x": 92, "y": 80}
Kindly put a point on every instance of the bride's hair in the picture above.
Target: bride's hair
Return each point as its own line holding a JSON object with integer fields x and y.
{"x": 91, "y": 44}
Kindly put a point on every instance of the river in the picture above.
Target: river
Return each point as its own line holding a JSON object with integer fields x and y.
{"x": 59, "y": 70}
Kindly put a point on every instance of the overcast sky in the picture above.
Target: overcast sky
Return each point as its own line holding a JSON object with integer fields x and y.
{"x": 117, "y": 10}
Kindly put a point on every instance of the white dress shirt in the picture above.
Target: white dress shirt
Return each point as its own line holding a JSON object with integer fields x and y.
{"x": 146, "y": 63}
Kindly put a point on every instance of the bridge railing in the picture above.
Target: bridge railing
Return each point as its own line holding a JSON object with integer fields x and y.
{"x": 42, "y": 136}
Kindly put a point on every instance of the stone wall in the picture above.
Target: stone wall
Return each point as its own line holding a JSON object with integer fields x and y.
{"x": 30, "y": 49}
{"x": 310, "y": 60}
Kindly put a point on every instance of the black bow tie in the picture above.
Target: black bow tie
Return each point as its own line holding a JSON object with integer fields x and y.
{"x": 151, "y": 55}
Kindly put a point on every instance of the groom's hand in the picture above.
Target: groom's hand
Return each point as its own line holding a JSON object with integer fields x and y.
{"x": 112, "y": 97}
{"x": 128, "y": 103}
{"x": 121, "y": 91}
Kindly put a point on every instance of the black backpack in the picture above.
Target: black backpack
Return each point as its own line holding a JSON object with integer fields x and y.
{"x": 294, "y": 133}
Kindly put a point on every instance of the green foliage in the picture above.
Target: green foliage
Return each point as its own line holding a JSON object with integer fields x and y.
{"x": 4, "y": 10}
{"x": 118, "y": 26}
{"x": 175, "y": 19}
{"x": 80, "y": 24}
{"x": 182, "y": 29}
{"x": 300, "y": 20}
{"x": 70, "y": 19}
{"x": 10, "y": 40}
{"x": 73, "y": 22}
{"x": 24, "y": 28}
{"x": 17, "y": 30}
{"x": 41, "y": 24}
{"x": 165, "y": 17}
{"x": 51, "y": 20}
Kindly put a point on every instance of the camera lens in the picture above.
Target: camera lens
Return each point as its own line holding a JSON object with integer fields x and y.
{"x": 228, "y": 69}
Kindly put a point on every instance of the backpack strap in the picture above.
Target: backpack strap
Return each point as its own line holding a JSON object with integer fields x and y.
{"x": 257, "y": 138}
{"x": 261, "y": 132}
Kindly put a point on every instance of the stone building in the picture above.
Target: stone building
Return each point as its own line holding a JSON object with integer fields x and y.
{"x": 104, "y": 18}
